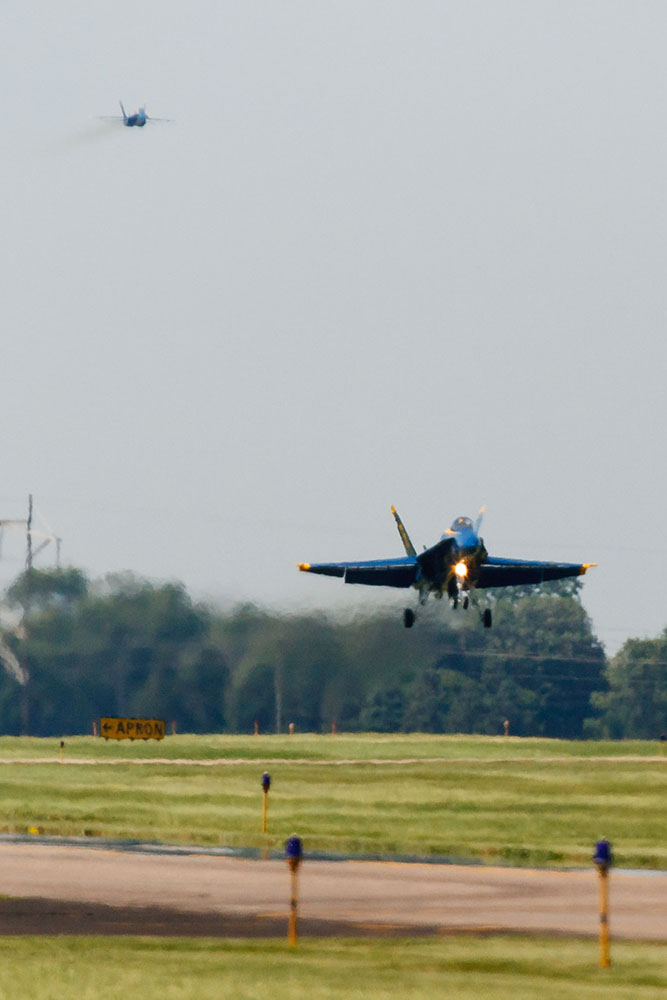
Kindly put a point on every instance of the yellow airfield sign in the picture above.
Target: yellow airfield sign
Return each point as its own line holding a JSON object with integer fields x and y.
{"x": 132, "y": 729}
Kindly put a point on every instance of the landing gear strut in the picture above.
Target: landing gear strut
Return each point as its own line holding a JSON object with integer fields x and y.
{"x": 409, "y": 617}
{"x": 486, "y": 617}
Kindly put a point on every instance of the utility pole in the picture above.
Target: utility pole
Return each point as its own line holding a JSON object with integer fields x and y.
{"x": 25, "y": 705}
{"x": 28, "y": 534}
{"x": 278, "y": 694}
{"x": 45, "y": 535}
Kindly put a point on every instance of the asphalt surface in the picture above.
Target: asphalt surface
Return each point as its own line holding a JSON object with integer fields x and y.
{"x": 64, "y": 889}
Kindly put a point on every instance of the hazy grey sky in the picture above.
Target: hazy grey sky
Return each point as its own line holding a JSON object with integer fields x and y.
{"x": 387, "y": 252}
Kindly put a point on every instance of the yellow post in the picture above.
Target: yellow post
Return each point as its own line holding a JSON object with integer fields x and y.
{"x": 605, "y": 960}
{"x": 293, "y": 853}
{"x": 266, "y": 784}
{"x": 603, "y": 859}
{"x": 294, "y": 902}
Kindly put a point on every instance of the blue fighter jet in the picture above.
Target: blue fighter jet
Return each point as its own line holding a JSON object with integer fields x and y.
{"x": 457, "y": 566}
{"x": 139, "y": 118}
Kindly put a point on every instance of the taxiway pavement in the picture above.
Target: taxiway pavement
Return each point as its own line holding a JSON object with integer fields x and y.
{"x": 388, "y": 897}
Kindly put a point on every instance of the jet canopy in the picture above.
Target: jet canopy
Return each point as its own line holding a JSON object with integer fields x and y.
{"x": 462, "y": 524}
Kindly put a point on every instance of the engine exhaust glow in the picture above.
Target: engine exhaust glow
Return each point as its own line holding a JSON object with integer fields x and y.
{"x": 461, "y": 570}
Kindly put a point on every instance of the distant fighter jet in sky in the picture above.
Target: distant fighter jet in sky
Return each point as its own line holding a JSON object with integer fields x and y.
{"x": 139, "y": 118}
{"x": 457, "y": 565}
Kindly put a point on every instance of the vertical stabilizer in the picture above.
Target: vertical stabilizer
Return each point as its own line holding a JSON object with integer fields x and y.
{"x": 123, "y": 110}
{"x": 405, "y": 538}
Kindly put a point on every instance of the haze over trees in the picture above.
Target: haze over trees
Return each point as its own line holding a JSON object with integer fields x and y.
{"x": 125, "y": 646}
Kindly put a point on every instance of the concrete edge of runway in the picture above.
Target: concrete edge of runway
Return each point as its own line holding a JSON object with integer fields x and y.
{"x": 156, "y": 847}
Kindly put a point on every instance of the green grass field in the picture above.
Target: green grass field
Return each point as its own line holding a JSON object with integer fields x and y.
{"x": 517, "y": 801}
{"x": 468, "y": 968}
{"x": 312, "y": 746}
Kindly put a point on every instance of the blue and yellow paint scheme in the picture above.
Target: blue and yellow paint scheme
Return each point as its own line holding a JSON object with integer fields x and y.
{"x": 138, "y": 119}
{"x": 456, "y": 566}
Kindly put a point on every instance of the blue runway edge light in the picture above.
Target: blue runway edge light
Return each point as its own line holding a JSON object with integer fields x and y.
{"x": 294, "y": 848}
{"x": 603, "y": 854}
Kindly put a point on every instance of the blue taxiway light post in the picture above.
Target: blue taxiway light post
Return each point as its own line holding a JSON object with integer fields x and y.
{"x": 294, "y": 855}
{"x": 603, "y": 860}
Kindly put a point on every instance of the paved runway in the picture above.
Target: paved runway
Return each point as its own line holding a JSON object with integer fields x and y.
{"x": 231, "y": 896}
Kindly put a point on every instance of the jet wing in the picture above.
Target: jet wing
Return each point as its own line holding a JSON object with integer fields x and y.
{"x": 516, "y": 572}
{"x": 374, "y": 573}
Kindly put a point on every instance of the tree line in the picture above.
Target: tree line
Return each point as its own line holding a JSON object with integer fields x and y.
{"x": 77, "y": 649}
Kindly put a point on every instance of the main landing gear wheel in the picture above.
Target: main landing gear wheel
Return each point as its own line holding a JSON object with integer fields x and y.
{"x": 486, "y": 617}
{"x": 409, "y": 617}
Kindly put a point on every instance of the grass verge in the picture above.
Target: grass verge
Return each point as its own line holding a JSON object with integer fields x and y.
{"x": 314, "y": 746}
{"x": 532, "y": 802}
{"x": 467, "y": 968}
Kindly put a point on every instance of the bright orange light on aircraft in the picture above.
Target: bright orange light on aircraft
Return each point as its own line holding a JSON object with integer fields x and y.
{"x": 461, "y": 570}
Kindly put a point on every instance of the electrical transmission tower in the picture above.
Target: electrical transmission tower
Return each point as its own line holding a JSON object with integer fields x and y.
{"x": 42, "y": 535}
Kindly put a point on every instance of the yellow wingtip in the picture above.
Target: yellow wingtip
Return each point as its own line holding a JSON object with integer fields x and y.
{"x": 304, "y": 567}
{"x": 586, "y": 566}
